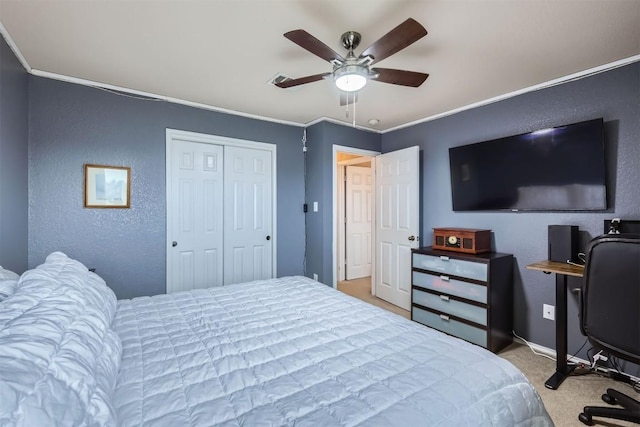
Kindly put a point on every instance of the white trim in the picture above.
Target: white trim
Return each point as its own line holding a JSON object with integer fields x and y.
{"x": 341, "y": 123}
{"x": 14, "y": 48}
{"x": 175, "y": 134}
{"x": 546, "y": 351}
{"x": 550, "y": 83}
{"x": 154, "y": 97}
{"x": 336, "y": 218}
{"x": 540, "y": 350}
{"x": 575, "y": 76}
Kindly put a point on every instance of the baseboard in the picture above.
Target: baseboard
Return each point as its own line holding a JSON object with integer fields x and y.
{"x": 537, "y": 348}
{"x": 549, "y": 351}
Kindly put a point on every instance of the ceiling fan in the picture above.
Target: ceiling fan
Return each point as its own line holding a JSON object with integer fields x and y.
{"x": 351, "y": 74}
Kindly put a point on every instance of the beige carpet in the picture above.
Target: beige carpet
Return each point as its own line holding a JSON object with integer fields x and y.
{"x": 563, "y": 404}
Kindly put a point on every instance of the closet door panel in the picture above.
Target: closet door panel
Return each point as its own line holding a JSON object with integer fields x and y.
{"x": 248, "y": 214}
{"x": 195, "y": 219}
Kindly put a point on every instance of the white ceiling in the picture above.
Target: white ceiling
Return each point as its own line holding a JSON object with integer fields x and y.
{"x": 222, "y": 53}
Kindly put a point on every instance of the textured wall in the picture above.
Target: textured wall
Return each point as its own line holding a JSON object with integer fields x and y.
{"x": 319, "y": 187}
{"x": 72, "y": 125}
{"x": 14, "y": 134}
{"x": 613, "y": 95}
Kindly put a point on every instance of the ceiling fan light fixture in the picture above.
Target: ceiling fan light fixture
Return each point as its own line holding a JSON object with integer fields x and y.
{"x": 350, "y": 78}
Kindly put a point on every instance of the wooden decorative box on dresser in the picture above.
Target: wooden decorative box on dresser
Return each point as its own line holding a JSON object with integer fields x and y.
{"x": 469, "y": 296}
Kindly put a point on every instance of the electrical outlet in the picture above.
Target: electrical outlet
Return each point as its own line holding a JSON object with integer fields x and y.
{"x": 549, "y": 311}
{"x": 315, "y": 277}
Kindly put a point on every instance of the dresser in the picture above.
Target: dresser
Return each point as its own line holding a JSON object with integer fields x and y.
{"x": 469, "y": 296}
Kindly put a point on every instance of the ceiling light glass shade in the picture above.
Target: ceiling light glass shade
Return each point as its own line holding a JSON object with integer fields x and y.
{"x": 350, "y": 78}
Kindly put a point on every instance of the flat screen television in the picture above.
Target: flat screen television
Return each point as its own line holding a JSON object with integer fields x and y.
{"x": 557, "y": 169}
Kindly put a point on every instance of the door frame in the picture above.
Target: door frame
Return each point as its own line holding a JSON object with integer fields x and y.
{"x": 176, "y": 134}
{"x": 336, "y": 216}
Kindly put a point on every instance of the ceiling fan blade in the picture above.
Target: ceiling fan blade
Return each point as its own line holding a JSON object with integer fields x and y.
{"x": 348, "y": 98}
{"x": 313, "y": 45}
{"x": 399, "y": 77}
{"x": 302, "y": 80}
{"x": 395, "y": 40}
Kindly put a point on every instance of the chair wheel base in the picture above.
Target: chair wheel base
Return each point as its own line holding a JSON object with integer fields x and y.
{"x": 585, "y": 419}
{"x": 607, "y": 398}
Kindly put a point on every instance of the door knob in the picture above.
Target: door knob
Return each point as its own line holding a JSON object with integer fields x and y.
{"x": 412, "y": 238}
{"x": 268, "y": 237}
{"x": 174, "y": 243}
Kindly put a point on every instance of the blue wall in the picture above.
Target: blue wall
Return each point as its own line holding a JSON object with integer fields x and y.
{"x": 321, "y": 138}
{"x": 14, "y": 134}
{"x": 613, "y": 95}
{"x": 68, "y": 125}
{"x": 71, "y": 125}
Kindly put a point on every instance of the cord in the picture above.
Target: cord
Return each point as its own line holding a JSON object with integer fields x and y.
{"x": 546, "y": 355}
{"x": 635, "y": 385}
{"x": 127, "y": 95}
{"x": 304, "y": 180}
{"x": 531, "y": 347}
{"x": 575, "y": 264}
{"x": 579, "y": 350}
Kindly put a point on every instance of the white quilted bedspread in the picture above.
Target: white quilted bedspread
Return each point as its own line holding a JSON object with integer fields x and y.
{"x": 292, "y": 351}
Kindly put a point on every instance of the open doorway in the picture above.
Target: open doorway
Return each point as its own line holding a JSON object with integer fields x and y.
{"x": 353, "y": 216}
{"x": 395, "y": 220}
{"x": 355, "y": 207}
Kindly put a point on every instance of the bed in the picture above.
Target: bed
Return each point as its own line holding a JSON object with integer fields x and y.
{"x": 286, "y": 351}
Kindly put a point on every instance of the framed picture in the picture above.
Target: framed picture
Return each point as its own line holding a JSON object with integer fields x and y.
{"x": 107, "y": 186}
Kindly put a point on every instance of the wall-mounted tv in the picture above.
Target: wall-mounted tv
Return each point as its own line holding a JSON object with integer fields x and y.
{"x": 556, "y": 169}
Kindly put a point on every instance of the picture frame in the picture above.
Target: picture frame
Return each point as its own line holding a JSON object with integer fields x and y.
{"x": 107, "y": 186}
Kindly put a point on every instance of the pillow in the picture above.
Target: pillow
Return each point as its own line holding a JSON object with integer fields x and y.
{"x": 8, "y": 282}
{"x": 7, "y": 287}
{"x": 59, "y": 357}
{"x": 8, "y": 274}
{"x": 64, "y": 273}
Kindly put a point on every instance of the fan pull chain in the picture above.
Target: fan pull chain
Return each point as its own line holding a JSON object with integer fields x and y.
{"x": 347, "y": 112}
{"x": 354, "y": 109}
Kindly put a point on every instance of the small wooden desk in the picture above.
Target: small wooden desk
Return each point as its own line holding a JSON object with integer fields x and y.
{"x": 561, "y": 270}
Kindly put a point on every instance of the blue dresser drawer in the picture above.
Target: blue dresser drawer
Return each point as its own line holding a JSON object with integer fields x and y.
{"x": 451, "y": 266}
{"x": 447, "y": 305}
{"x": 444, "y": 284}
{"x": 450, "y": 326}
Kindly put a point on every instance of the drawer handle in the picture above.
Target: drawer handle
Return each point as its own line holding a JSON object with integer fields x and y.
{"x": 445, "y": 278}
{"x": 444, "y": 298}
{"x": 444, "y": 258}
{"x": 444, "y": 317}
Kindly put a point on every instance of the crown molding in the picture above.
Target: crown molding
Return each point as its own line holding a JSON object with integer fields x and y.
{"x": 550, "y": 83}
{"x": 125, "y": 91}
{"x": 14, "y": 48}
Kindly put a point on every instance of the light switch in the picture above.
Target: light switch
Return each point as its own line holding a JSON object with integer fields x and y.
{"x": 315, "y": 206}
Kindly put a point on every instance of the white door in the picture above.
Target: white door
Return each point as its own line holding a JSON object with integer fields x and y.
{"x": 220, "y": 210}
{"x": 358, "y": 214}
{"x": 195, "y": 219}
{"x": 397, "y": 222}
{"x": 248, "y": 240}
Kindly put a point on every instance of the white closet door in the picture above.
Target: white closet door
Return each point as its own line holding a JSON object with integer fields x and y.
{"x": 195, "y": 257}
{"x": 248, "y": 240}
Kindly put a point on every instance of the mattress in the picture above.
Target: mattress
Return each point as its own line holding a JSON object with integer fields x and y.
{"x": 292, "y": 351}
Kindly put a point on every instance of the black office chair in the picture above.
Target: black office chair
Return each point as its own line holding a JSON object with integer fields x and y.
{"x": 610, "y": 313}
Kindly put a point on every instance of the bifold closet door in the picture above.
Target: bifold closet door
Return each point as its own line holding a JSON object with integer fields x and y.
{"x": 195, "y": 216}
{"x": 248, "y": 212}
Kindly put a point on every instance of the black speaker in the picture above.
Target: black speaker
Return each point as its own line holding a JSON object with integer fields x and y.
{"x": 563, "y": 243}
